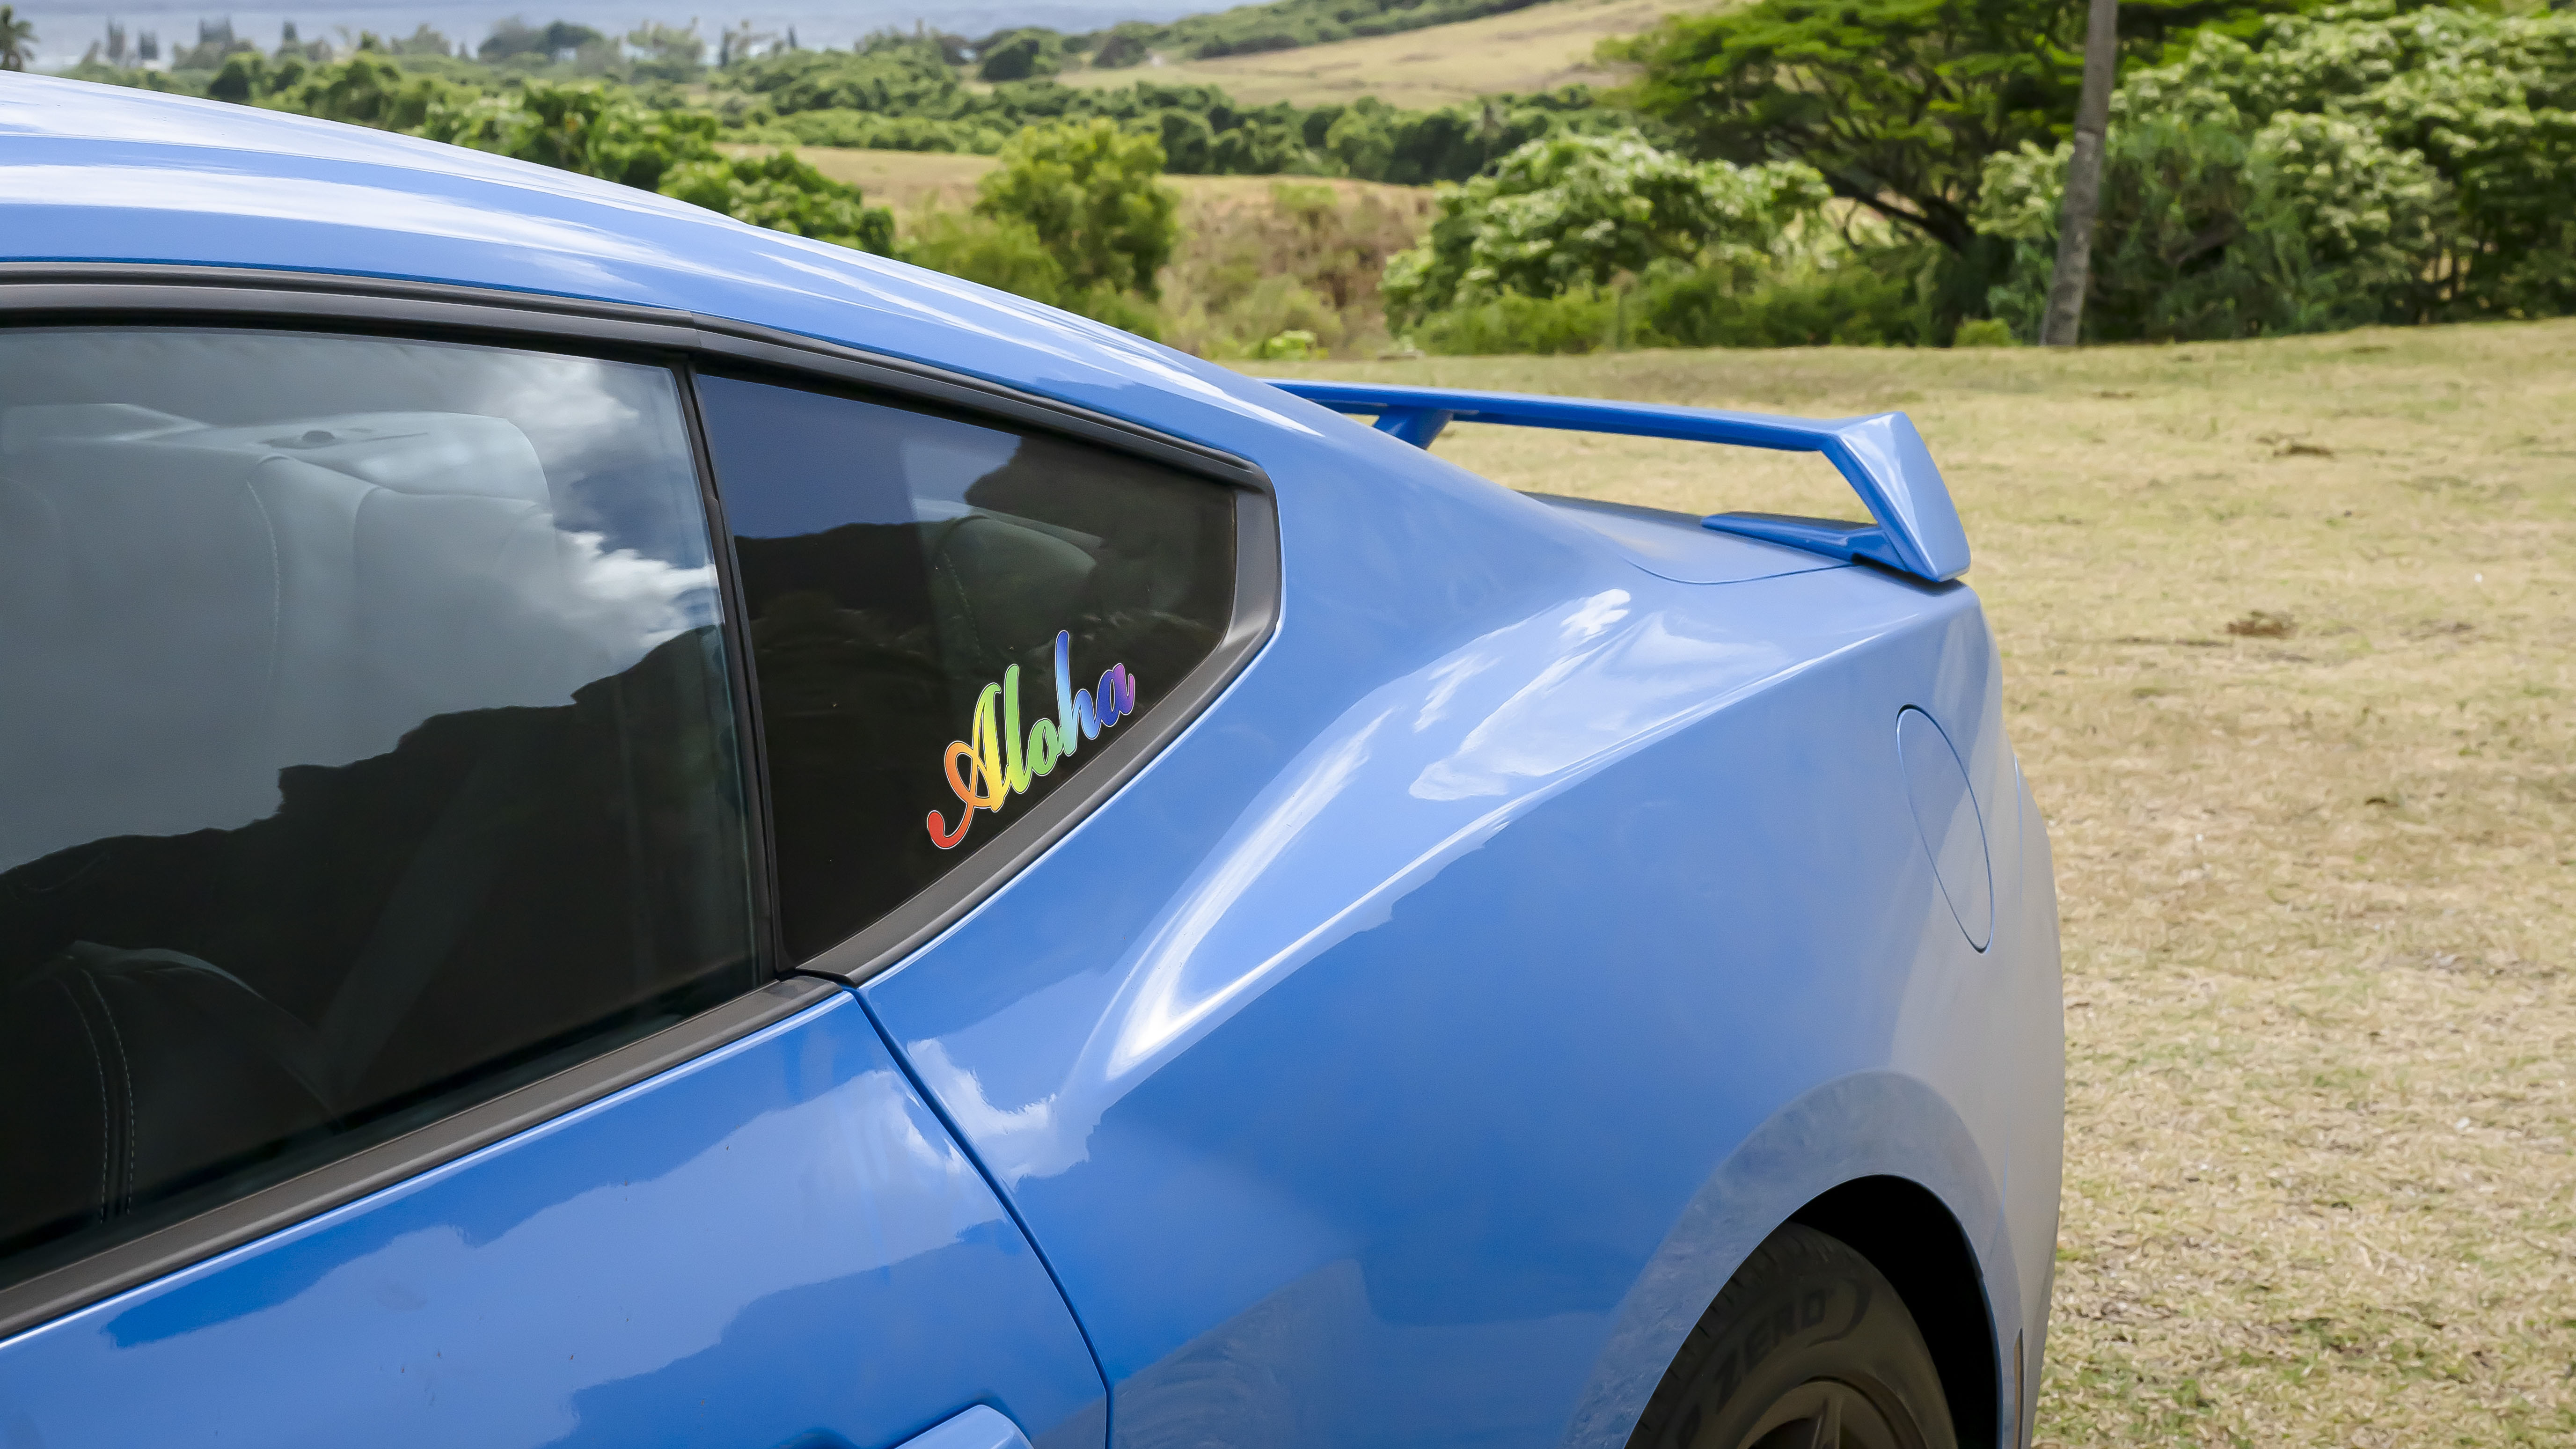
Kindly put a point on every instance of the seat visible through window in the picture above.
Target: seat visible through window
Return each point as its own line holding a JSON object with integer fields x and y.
{"x": 371, "y": 750}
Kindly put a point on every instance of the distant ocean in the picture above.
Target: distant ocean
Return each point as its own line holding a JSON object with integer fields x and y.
{"x": 64, "y": 32}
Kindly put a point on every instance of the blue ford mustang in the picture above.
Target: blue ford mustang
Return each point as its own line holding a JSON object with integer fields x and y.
{"x": 617, "y": 829}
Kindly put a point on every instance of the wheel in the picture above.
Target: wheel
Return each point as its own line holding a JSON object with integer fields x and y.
{"x": 1808, "y": 1347}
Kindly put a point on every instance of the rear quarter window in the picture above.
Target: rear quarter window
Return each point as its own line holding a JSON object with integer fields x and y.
{"x": 950, "y": 620}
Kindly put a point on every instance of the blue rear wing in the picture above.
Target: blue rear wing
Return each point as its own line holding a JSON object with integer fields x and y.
{"x": 1914, "y": 528}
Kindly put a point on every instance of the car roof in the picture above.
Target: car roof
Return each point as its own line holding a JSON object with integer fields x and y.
{"x": 94, "y": 173}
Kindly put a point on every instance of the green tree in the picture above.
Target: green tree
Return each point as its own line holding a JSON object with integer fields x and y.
{"x": 17, "y": 39}
{"x": 1127, "y": 43}
{"x": 594, "y": 129}
{"x": 365, "y": 90}
{"x": 2488, "y": 101}
{"x": 1897, "y": 102}
{"x": 1575, "y": 211}
{"x": 423, "y": 41}
{"x": 515, "y": 37}
{"x": 1092, "y": 191}
{"x": 1023, "y": 55}
{"x": 2362, "y": 164}
{"x": 244, "y": 78}
{"x": 894, "y": 80}
{"x": 669, "y": 52}
{"x": 2208, "y": 231}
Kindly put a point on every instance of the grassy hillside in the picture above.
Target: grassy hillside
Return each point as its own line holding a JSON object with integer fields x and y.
{"x": 2289, "y": 636}
{"x": 1258, "y": 255}
{"x": 904, "y": 180}
{"x": 1523, "y": 52}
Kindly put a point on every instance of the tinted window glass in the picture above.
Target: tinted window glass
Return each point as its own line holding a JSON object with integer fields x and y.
{"x": 368, "y": 749}
{"x": 949, "y": 620}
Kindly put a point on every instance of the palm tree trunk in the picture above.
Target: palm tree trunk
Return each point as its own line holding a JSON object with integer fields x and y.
{"x": 2066, "y": 289}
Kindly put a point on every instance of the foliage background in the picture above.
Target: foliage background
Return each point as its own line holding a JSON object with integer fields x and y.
{"x": 1783, "y": 172}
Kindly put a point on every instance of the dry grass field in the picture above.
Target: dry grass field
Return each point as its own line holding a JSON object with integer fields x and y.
{"x": 2289, "y": 631}
{"x": 1521, "y": 51}
{"x": 904, "y": 180}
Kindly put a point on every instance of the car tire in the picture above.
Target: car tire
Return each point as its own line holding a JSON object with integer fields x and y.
{"x": 1808, "y": 1347}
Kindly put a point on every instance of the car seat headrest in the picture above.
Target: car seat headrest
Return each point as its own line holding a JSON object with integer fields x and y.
{"x": 455, "y": 455}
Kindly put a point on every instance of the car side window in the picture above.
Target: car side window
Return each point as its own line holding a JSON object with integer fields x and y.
{"x": 949, "y": 619}
{"x": 367, "y": 750}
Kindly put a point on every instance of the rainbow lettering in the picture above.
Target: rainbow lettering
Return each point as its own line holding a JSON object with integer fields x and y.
{"x": 992, "y": 763}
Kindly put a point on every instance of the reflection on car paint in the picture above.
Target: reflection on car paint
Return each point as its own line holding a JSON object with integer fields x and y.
{"x": 1480, "y": 737}
{"x": 593, "y": 1282}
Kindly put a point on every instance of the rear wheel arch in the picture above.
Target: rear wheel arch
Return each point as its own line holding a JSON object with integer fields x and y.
{"x": 1911, "y": 1247}
{"x": 1864, "y": 1152}
{"x": 1909, "y": 1235}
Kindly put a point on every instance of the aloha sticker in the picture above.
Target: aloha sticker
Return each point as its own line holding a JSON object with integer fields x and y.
{"x": 992, "y": 763}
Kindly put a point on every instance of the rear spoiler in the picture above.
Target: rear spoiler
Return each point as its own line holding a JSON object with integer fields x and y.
{"x": 1915, "y": 528}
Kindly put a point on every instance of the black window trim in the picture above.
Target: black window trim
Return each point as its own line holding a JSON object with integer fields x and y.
{"x": 110, "y": 294}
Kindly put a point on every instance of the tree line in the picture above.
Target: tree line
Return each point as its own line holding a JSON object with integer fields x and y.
{"x": 892, "y": 91}
{"x": 1789, "y": 171}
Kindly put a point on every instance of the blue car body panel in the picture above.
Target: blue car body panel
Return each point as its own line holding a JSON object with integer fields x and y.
{"x": 1433, "y": 1135}
{"x": 1407, "y": 1054}
{"x": 775, "y": 1244}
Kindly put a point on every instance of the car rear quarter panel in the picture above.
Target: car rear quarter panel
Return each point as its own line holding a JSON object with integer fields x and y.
{"x": 1410, "y": 1053}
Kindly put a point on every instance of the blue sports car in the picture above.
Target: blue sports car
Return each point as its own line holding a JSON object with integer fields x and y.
{"x": 618, "y": 829}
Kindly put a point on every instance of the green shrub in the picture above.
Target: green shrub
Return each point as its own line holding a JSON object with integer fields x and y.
{"x": 782, "y": 193}
{"x": 1876, "y": 298}
{"x": 1123, "y": 310}
{"x": 1582, "y": 320}
{"x": 1984, "y": 332}
{"x": 1093, "y": 193}
{"x": 1245, "y": 323}
{"x": 869, "y": 131}
{"x": 1570, "y": 211}
{"x": 1001, "y": 252}
{"x": 1008, "y": 255}
{"x": 2208, "y": 232}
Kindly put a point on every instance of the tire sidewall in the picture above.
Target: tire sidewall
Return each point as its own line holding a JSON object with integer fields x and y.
{"x": 1804, "y": 1307}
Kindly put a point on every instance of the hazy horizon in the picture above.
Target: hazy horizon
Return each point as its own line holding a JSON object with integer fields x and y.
{"x": 65, "y": 28}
